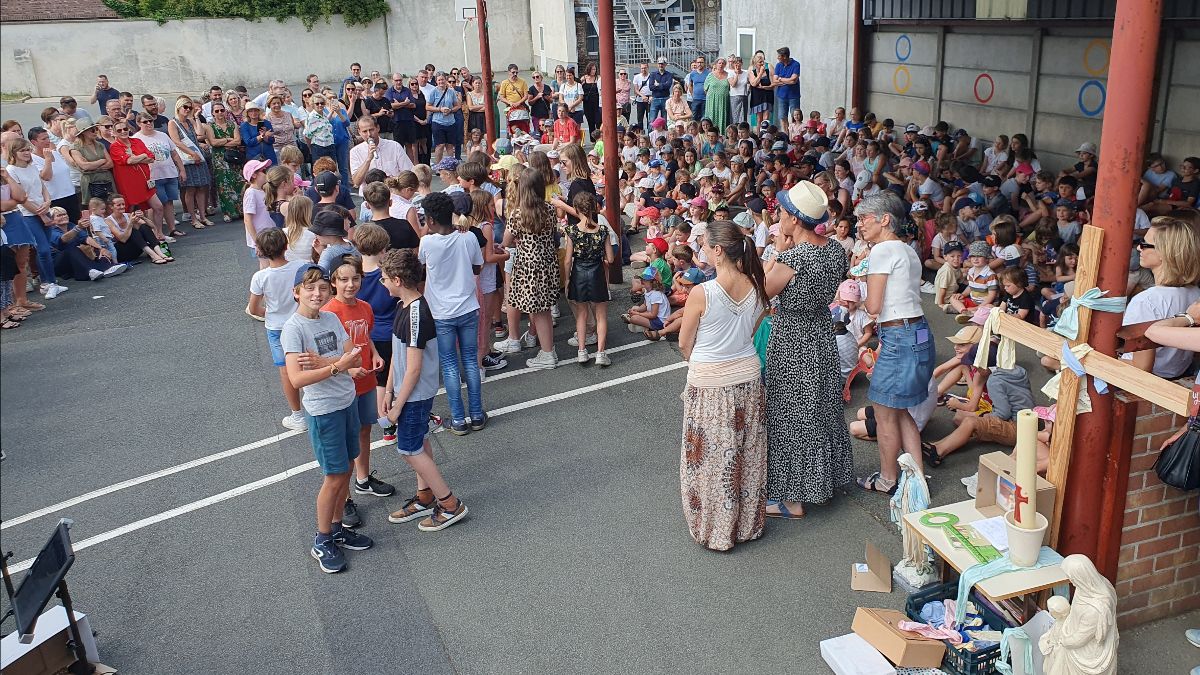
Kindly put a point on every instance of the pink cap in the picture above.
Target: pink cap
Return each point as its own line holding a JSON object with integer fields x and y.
{"x": 254, "y": 166}
{"x": 849, "y": 290}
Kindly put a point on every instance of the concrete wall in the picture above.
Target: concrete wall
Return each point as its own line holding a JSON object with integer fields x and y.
{"x": 193, "y": 54}
{"x": 557, "y": 21}
{"x": 818, "y": 33}
{"x": 1048, "y": 84}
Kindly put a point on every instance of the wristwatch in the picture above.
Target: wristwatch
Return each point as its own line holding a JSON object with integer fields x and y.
{"x": 1185, "y": 315}
{"x": 334, "y": 370}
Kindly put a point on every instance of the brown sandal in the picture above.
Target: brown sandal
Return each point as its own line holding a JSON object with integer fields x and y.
{"x": 652, "y": 335}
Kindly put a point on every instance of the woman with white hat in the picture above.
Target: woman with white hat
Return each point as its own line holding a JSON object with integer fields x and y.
{"x": 809, "y": 444}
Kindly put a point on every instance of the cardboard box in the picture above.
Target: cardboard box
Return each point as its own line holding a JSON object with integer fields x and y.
{"x": 48, "y": 652}
{"x": 851, "y": 655}
{"x": 875, "y": 575}
{"x": 903, "y": 648}
{"x": 997, "y": 482}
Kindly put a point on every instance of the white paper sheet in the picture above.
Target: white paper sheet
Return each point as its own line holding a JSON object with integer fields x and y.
{"x": 994, "y": 530}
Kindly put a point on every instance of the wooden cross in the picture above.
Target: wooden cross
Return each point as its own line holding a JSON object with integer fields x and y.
{"x": 1122, "y": 374}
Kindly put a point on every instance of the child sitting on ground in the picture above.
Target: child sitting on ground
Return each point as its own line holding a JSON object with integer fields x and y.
{"x": 653, "y": 257}
{"x": 947, "y": 231}
{"x": 950, "y": 277}
{"x": 863, "y": 427}
{"x": 682, "y": 260}
{"x": 1014, "y": 298}
{"x": 1068, "y": 258}
{"x": 651, "y": 316}
{"x": 961, "y": 366}
{"x": 981, "y": 283}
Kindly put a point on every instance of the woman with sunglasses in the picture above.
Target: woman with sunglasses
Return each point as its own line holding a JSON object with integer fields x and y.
{"x": 132, "y": 167}
{"x": 95, "y": 166}
{"x": 27, "y": 226}
{"x": 195, "y": 178}
{"x": 227, "y": 161}
{"x": 1169, "y": 249}
{"x": 317, "y": 130}
{"x": 234, "y": 106}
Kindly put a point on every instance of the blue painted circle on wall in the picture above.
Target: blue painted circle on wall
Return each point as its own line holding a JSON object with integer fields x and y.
{"x": 907, "y": 48}
{"x": 1099, "y": 108}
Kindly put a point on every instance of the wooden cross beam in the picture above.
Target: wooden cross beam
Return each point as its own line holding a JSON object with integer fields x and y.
{"x": 1121, "y": 374}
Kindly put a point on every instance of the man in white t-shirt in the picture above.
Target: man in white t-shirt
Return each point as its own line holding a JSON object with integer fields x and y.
{"x": 640, "y": 93}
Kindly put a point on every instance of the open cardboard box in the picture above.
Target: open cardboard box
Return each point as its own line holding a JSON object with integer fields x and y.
{"x": 903, "y": 648}
{"x": 997, "y": 486}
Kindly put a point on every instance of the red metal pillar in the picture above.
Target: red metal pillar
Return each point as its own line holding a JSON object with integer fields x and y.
{"x": 1122, "y": 151}
{"x": 485, "y": 65}
{"x": 858, "y": 65}
{"x": 608, "y": 107}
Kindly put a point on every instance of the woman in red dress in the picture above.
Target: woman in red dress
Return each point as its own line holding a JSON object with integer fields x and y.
{"x": 131, "y": 172}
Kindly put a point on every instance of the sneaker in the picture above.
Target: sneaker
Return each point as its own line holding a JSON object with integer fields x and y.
{"x": 478, "y": 423}
{"x": 1193, "y": 636}
{"x": 441, "y": 518}
{"x": 602, "y": 360}
{"x": 962, "y": 319}
{"x": 326, "y": 552}
{"x": 113, "y": 271}
{"x": 529, "y": 340}
{"x": 543, "y": 360}
{"x": 634, "y": 328}
{"x": 350, "y": 517}
{"x": 169, "y": 239}
{"x": 494, "y": 361}
{"x": 373, "y": 486}
{"x": 346, "y": 538}
{"x": 498, "y": 330}
{"x": 435, "y": 423}
{"x": 296, "y": 421}
{"x": 460, "y": 428}
{"x": 94, "y": 274}
{"x": 412, "y": 509}
{"x": 574, "y": 340}
{"x": 185, "y": 217}
{"x": 389, "y": 434}
{"x": 581, "y": 356}
{"x": 508, "y": 347}
{"x": 928, "y": 288}
{"x": 54, "y": 290}
{"x": 972, "y": 484}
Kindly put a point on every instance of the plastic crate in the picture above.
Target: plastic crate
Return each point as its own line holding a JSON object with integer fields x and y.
{"x": 982, "y": 662}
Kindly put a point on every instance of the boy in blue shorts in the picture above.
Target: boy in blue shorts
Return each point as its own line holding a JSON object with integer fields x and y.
{"x": 318, "y": 353}
{"x": 408, "y": 397}
{"x": 271, "y": 298}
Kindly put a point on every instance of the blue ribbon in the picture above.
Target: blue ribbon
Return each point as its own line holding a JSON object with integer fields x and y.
{"x": 1068, "y": 357}
{"x": 1068, "y": 324}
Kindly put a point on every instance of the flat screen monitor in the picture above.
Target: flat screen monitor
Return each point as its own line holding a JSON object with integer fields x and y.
{"x": 42, "y": 579}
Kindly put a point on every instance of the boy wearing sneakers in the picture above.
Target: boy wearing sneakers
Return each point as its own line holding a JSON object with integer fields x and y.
{"x": 411, "y": 386}
{"x": 981, "y": 283}
{"x": 319, "y": 353}
{"x": 271, "y": 297}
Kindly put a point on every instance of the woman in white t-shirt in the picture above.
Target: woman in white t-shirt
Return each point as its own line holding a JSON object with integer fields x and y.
{"x": 1169, "y": 249}
{"x": 906, "y": 349}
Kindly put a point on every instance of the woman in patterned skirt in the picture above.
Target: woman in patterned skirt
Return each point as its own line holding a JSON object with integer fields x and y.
{"x": 195, "y": 178}
{"x": 227, "y": 177}
{"x": 809, "y": 452}
{"x": 533, "y": 288}
{"x": 723, "y": 461}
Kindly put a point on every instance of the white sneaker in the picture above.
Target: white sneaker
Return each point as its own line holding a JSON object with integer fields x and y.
{"x": 574, "y": 340}
{"x": 42, "y": 288}
{"x": 295, "y": 421}
{"x": 602, "y": 360}
{"x": 507, "y": 346}
{"x": 54, "y": 291}
{"x": 582, "y": 356}
{"x": 972, "y": 484}
{"x": 119, "y": 268}
{"x": 928, "y": 288}
{"x": 528, "y": 340}
{"x": 169, "y": 239}
{"x": 95, "y": 274}
{"x": 543, "y": 360}
{"x": 554, "y": 311}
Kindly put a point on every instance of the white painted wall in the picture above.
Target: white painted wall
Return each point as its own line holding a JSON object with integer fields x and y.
{"x": 817, "y": 31}
{"x": 52, "y": 59}
{"x": 557, "y": 19}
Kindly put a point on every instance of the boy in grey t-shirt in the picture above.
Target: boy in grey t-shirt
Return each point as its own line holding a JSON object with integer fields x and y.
{"x": 321, "y": 360}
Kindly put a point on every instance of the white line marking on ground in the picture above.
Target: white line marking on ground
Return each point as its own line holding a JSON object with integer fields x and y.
{"x": 297, "y": 470}
{"x": 526, "y": 371}
{"x": 171, "y": 470}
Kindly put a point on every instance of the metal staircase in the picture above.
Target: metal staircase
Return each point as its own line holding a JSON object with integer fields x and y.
{"x": 638, "y": 39}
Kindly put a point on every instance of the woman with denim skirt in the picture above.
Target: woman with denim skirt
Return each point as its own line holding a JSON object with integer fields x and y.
{"x": 906, "y": 347}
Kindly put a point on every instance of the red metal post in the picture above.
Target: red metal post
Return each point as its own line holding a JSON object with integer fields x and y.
{"x": 485, "y": 65}
{"x": 608, "y": 107}
{"x": 1122, "y": 152}
{"x": 858, "y": 66}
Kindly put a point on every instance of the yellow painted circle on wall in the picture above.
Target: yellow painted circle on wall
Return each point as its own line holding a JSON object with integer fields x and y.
{"x": 1097, "y": 50}
{"x": 901, "y": 79}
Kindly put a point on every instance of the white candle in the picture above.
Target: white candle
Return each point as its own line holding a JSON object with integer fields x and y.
{"x": 1026, "y": 499}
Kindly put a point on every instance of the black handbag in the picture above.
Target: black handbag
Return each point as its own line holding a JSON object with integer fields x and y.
{"x": 235, "y": 156}
{"x": 1179, "y": 463}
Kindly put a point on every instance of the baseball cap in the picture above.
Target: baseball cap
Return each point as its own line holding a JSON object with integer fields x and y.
{"x": 756, "y": 204}
{"x": 662, "y": 59}
{"x": 447, "y": 164}
{"x": 918, "y": 207}
{"x": 254, "y": 166}
{"x": 821, "y": 142}
{"x": 656, "y": 164}
{"x": 744, "y": 220}
{"x": 967, "y": 335}
{"x": 505, "y": 163}
{"x": 705, "y": 173}
{"x": 921, "y": 167}
{"x": 991, "y": 181}
{"x": 1089, "y": 148}
{"x": 659, "y": 244}
{"x": 646, "y": 184}
{"x": 659, "y": 123}
{"x": 329, "y": 223}
{"x": 1025, "y": 168}
{"x": 952, "y": 246}
{"x": 698, "y": 201}
{"x": 301, "y": 271}
{"x": 693, "y": 276}
{"x": 849, "y": 290}
{"x": 650, "y": 273}
{"x": 1065, "y": 202}
{"x": 911, "y": 128}
{"x": 667, "y": 204}
{"x": 325, "y": 182}
{"x": 962, "y": 203}
{"x": 687, "y": 138}
{"x": 737, "y": 159}
{"x": 812, "y": 124}
{"x": 462, "y": 202}
{"x": 960, "y": 133}
{"x": 980, "y": 249}
{"x": 779, "y": 145}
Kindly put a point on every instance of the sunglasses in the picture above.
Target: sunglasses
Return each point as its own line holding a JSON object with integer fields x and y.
{"x": 185, "y": 107}
{"x": 145, "y": 121}
{"x": 1142, "y": 245}
{"x": 122, "y": 130}
{"x": 306, "y": 94}
{"x": 106, "y": 126}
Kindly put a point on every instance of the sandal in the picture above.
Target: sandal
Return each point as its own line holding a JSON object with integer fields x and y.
{"x": 198, "y": 224}
{"x": 227, "y": 219}
{"x": 783, "y": 512}
{"x": 33, "y": 306}
{"x": 178, "y": 233}
{"x": 9, "y": 325}
{"x": 160, "y": 261}
{"x": 652, "y": 335}
{"x": 871, "y": 483}
{"x": 930, "y": 454}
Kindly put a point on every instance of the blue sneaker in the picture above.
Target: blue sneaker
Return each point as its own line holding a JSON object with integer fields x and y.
{"x": 460, "y": 428}
{"x": 326, "y": 552}
{"x": 348, "y": 539}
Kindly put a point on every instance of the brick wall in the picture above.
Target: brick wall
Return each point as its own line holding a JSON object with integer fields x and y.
{"x": 54, "y": 10}
{"x": 1159, "y": 573}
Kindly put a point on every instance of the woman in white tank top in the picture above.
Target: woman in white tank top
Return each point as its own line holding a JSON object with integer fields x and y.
{"x": 723, "y": 462}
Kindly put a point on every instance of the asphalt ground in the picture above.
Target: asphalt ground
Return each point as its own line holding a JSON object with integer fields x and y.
{"x": 574, "y": 559}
